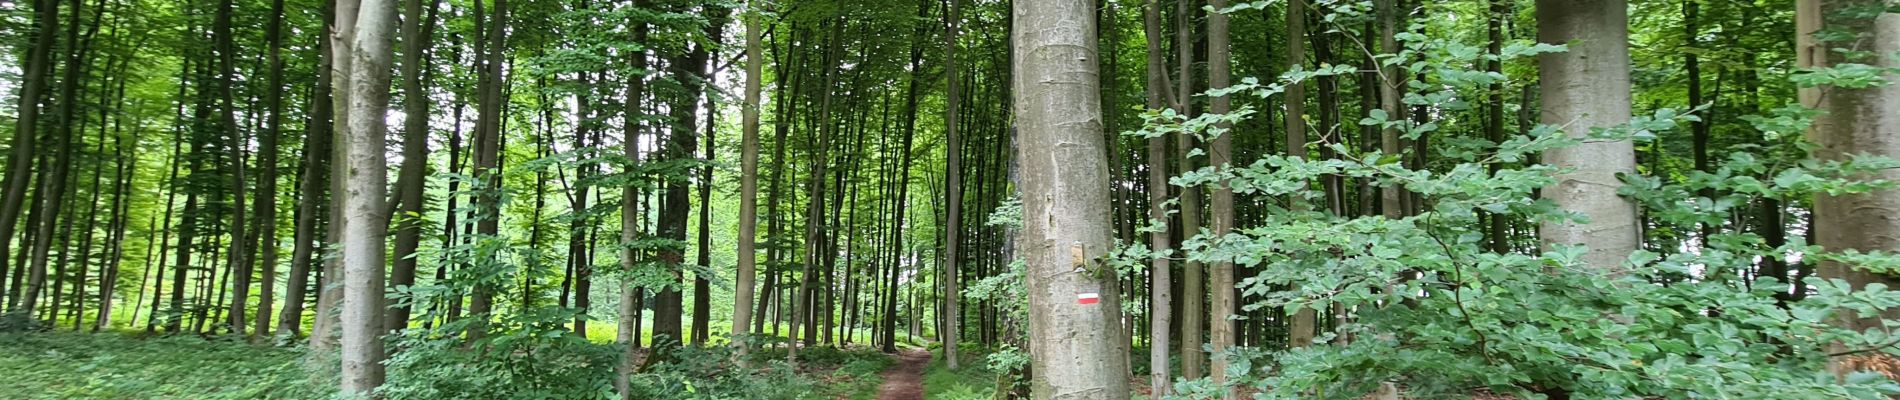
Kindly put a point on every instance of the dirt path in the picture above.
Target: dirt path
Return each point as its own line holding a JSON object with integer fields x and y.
{"x": 905, "y": 381}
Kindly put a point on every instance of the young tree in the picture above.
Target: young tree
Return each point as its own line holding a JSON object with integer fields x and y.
{"x": 1585, "y": 88}
{"x": 410, "y": 181}
{"x": 1160, "y": 290}
{"x": 953, "y": 183}
{"x": 1221, "y": 202}
{"x": 748, "y": 181}
{"x": 1078, "y": 349}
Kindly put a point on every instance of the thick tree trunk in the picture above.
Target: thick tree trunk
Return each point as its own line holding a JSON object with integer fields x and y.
{"x": 1588, "y": 87}
{"x": 366, "y": 210}
{"x": 1856, "y": 122}
{"x": 488, "y": 137}
{"x": 1078, "y": 347}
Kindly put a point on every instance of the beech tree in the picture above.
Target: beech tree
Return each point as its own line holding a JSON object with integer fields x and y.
{"x": 1075, "y": 320}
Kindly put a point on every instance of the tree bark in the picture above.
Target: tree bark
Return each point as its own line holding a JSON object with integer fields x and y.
{"x": 1078, "y": 347}
{"x": 366, "y": 210}
{"x": 488, "y": 153}
{"x": 1160, "y": 289}
{"x": 265, "y": 210}
{"x": 1193, "y": 296}
{"x": 39, "y": 64}
{"x": 627, "y": 335}
{"x": 953, "y": 184}
{"x": 744, "y": 282}
{"x": 1856, "y": 122}
{"x": 1588, "y": 87}
{"x": 1221, "y": 202}
{"x": 412, "y": 175}
{"x": 238, "y": 257}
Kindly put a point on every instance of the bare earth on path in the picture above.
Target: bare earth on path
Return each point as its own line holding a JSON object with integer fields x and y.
{"x": 905, "y": 381}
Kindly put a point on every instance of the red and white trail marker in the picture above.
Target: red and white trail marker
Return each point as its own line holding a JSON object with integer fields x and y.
{"x": 1087, "y": 298}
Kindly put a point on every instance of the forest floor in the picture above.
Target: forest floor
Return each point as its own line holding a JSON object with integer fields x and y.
{"x": 905, "y": 379}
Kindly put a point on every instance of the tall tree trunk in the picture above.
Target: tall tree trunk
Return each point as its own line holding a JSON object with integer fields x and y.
{"x": 1160, "y": 292}
{"x": 412, "y": 175}
{"x": 627, "y": 336}
{"x": 953, "y": 184}
{"x": 323, "y": 332}
{"x": 1193, "y": 296}
{"x": 1075, "y": 312}
{"x": 744, "y": 281}
{"x": 699, "y": 65}
{"x": 366, "y": 210}
{"x": 266, "y": 206}
{"x": 1499, "y": 225}
{"x": 1300, "y": 329}
{"x": 1588, "y": 87}
{"x": 317, "y": 138}
{"x": 488, "y": 153}
{"x": 39, "y": 64}
{"x": 1221, "y": 202}
{"x": 54, "y": 187}
{"x": 238, "y": 259}
{"x": 1856, "y": 122}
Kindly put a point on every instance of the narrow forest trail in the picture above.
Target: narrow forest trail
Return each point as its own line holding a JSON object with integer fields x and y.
{"x": 905, "y": 380}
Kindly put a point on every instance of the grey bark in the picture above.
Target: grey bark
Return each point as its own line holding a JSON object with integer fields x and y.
{"x": 366, "y": 209}
{"x": 1160, "y": 292}
{"x": 1079, "y": 350}
{"x": 1584, "y": 88}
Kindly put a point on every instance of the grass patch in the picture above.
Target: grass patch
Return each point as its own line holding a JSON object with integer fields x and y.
{"x": 970, "y": 381}
{"x": 56, "y": 365}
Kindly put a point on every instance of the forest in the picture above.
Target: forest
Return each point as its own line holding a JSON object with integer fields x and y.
{"x": 950, "y": 199}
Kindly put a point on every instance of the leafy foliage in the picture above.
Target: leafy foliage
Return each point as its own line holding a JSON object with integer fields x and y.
{"x": 1431, "y": 308}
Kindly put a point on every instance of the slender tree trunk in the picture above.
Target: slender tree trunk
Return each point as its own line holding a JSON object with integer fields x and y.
{"x": 304, "y": 236}
{"x": 1588, "y": 87}
{"x": 39, "y": 64}
{"x": 266, "y": 207}
{"x": 1499, "y": 225}
{"x": 628, "y": 334}
{"x": 488, "y": 153}
{"x": 323, "y": 332}
{"x": 1193, "y": 296}
{"x": 953, "y": 186}
{"x": 745, "y": 279}
{"x": 1079, "y": 350}
{"x": 1300, "y": 329}
{"x": 1221, "y": 202}
{"x": 53, "y": 188}
{"x": 412, "y": 175}
{"x": 1160, "y": 294}
{"x": 238, "y": 257}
